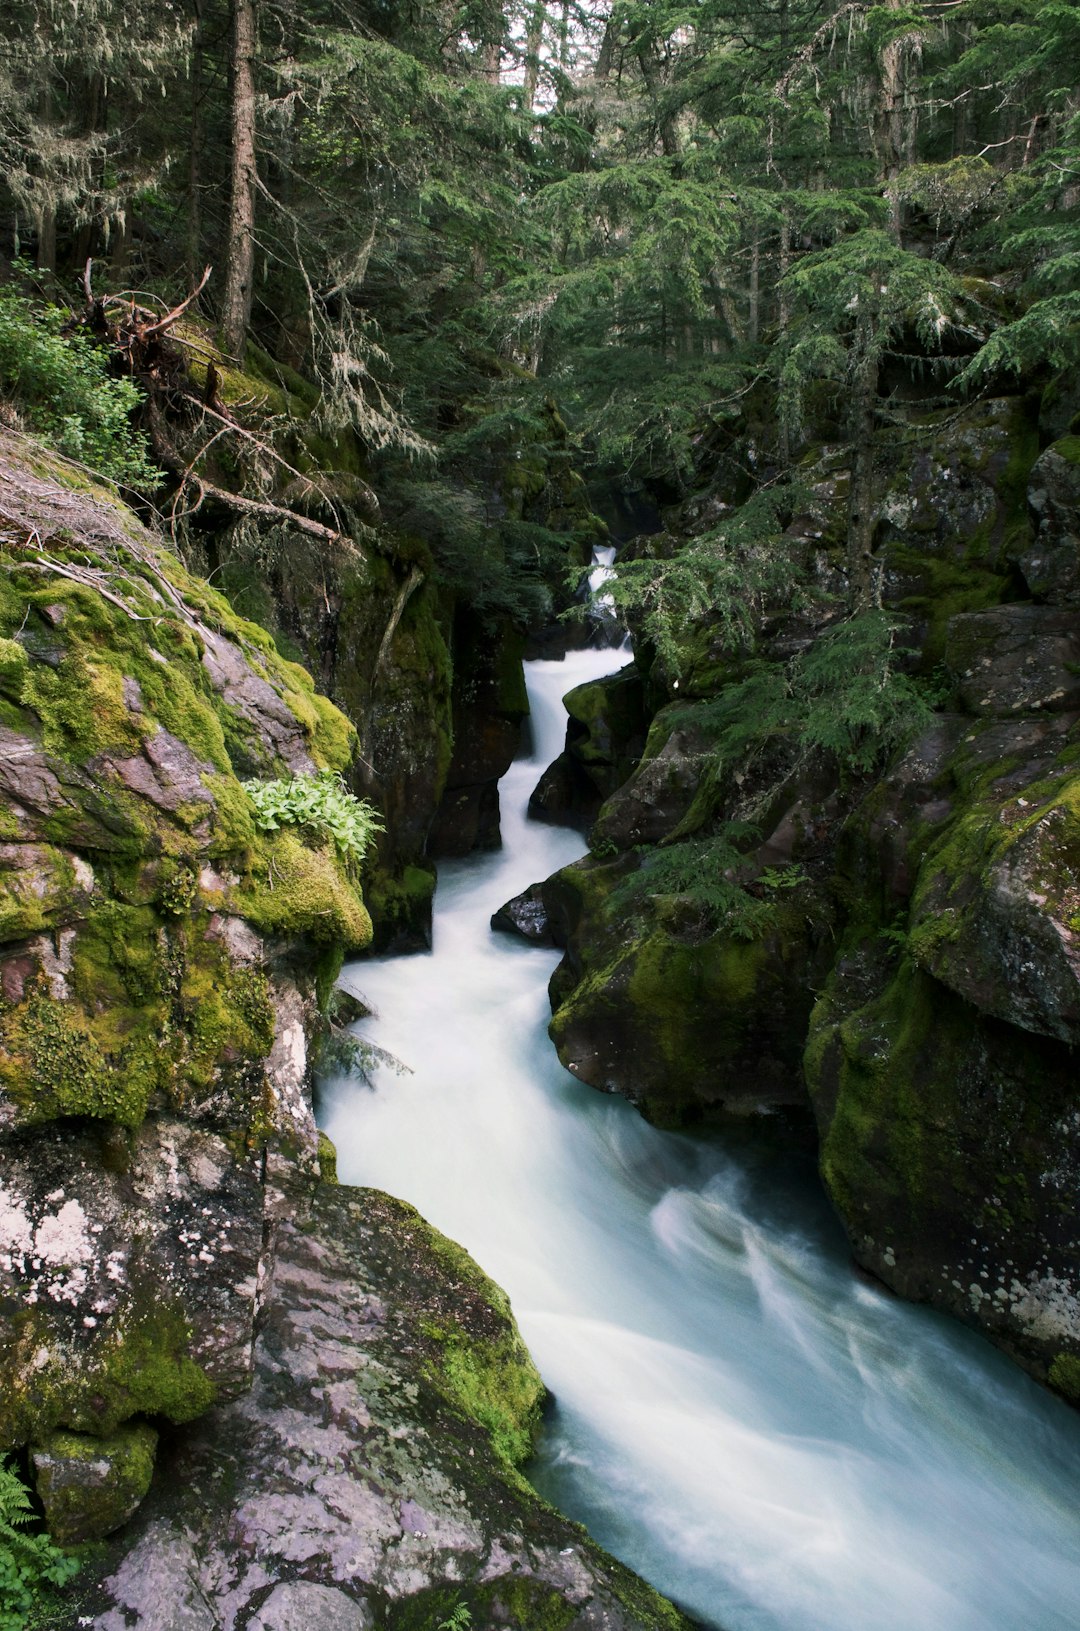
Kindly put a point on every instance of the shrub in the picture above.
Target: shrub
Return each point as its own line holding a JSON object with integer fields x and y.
{"x": 61, "y": 385}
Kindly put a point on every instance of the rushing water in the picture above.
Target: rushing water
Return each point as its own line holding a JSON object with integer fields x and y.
{"x": 771, "y": 1441}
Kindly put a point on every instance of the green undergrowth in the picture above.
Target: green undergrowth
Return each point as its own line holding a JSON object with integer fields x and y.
{"x": 31, "y": 1567}
{"x": 62, "y": 388}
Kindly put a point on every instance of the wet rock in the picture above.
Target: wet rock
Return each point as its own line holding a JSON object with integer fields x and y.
{"x": 1051, "y": 565}
{"x": 658, "y": 794}
{"x": 605, "y": 736}
{"x": 314, "y": 1607}
{"x": 950, "y": 1145}
{"x": 526, "y": 915}
{"x": 368, "y": 1477}
{"x": 679, "y": 1016}
{"x": 90, "y": 1486}
{"x": 490, "y": 706}
{"x": 939, "y": 1058}
{"x": 1015, "y": 658}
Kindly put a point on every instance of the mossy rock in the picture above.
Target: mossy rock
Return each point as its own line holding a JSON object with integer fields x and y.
{"x": 949, "y": 1147}
{"x": 682, "y": 1019}
{"x": 89, "y": 1486}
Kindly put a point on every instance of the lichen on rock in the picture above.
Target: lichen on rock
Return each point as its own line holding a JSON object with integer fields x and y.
{"x": 158, "y": 963}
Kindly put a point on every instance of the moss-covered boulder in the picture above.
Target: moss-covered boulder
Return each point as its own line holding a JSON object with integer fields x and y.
{"x": 684, "y": 1019}
{"x": 159, "y": 958}
{"x": 939, "y": 1058}
{"x": 950, "y": 1146}
{"x": 89, "y": 1486}
{"x": 605, "y": 737}
{"x": 371, "y": 1475}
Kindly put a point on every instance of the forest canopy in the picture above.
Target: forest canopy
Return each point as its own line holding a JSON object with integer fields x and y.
{"x": 665, "y": 235}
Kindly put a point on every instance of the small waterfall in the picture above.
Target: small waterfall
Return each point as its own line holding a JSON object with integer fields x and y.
{"x": 770, "y": 1440}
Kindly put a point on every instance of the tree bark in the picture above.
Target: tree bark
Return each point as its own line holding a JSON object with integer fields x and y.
{"x": 534, "y": 39}
{"x": 240, "y": 249}
{"x": 195, "y": 144}
{"x": 860, "y": 531}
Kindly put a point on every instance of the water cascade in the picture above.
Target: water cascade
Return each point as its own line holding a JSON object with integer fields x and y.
{"x": 770, "y": 1440}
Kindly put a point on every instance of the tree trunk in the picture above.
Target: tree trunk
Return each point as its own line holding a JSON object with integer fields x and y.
{"x": 860, "y": 532}
{"x": 652, "y": 75}
{"x": 534, "y": 39}
{"x": 194, "y": 255}
{"x": 240, "y": 250}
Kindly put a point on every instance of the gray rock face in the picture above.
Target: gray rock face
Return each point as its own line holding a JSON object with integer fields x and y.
{"x": 527, "y": 916}
{"x": 1051, "y": 565}
{"x": 316, "y": 1608}
{"x": 350, "y": 1486}
{"x": 1016, "y": 659}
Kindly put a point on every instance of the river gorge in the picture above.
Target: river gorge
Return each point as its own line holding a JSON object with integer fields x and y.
{"x": 772, "y": 1440}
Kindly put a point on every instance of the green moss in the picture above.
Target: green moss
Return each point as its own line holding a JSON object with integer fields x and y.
{"x": 81, "y": 708}
{"x": 1065, "y": 1369}
{"x": 226, "y": 1015}
{"x": 400, "y": 905}
{"x": 1068, "y": 447}
{"x": 14, "y": 670}
{"x": 141, "y": 1367}
{"x": 297, "y": 891}
{"x": 328, "y": 1173}
{"x": 147, "y": 1371}
{"x": 36, "y": 896}
{"x": 80, "y": 1509}
{"x": 947, "y": 588}
{"x": 477, "y": 1357}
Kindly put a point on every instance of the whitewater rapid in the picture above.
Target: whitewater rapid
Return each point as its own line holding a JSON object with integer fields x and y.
{"x": 773, "y": 1442}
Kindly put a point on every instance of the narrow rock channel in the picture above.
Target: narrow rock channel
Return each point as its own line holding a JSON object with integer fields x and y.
{"x": 773, "y": 1442}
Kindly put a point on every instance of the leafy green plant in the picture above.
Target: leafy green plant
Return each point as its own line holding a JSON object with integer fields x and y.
{"x": 317, "y": 800}
{"x": 459, "y": 1619}
{"x": 61, "y": 385}
{"x": 28, "y": 1562}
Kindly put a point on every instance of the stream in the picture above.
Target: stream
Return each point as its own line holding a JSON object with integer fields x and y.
{"x": 769, "y": 1439}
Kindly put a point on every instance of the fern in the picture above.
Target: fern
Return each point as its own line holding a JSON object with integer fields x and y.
{"x": 29, "y": 1563}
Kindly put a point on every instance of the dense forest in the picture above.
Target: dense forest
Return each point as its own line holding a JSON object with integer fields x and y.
{"x": 336, "y": 337}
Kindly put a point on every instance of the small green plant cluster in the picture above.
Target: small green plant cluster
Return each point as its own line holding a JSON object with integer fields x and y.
{"x": 29, "y": 1563}
{"x": 706, "y": 873}
{"x": 320, "y": 801}
{"x": 61, "y": 385}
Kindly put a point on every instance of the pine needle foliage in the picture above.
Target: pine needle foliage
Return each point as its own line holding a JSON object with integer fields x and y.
{"x": 846, "y": 697}
{"x": 727, "y": 577}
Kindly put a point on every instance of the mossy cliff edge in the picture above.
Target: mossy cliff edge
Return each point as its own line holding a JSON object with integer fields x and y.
{"x": 354, "y": 1395}
{"x": 895, "y": 948}
{"x": 159, "y": 958}
{"x": 370, "y": 1475}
